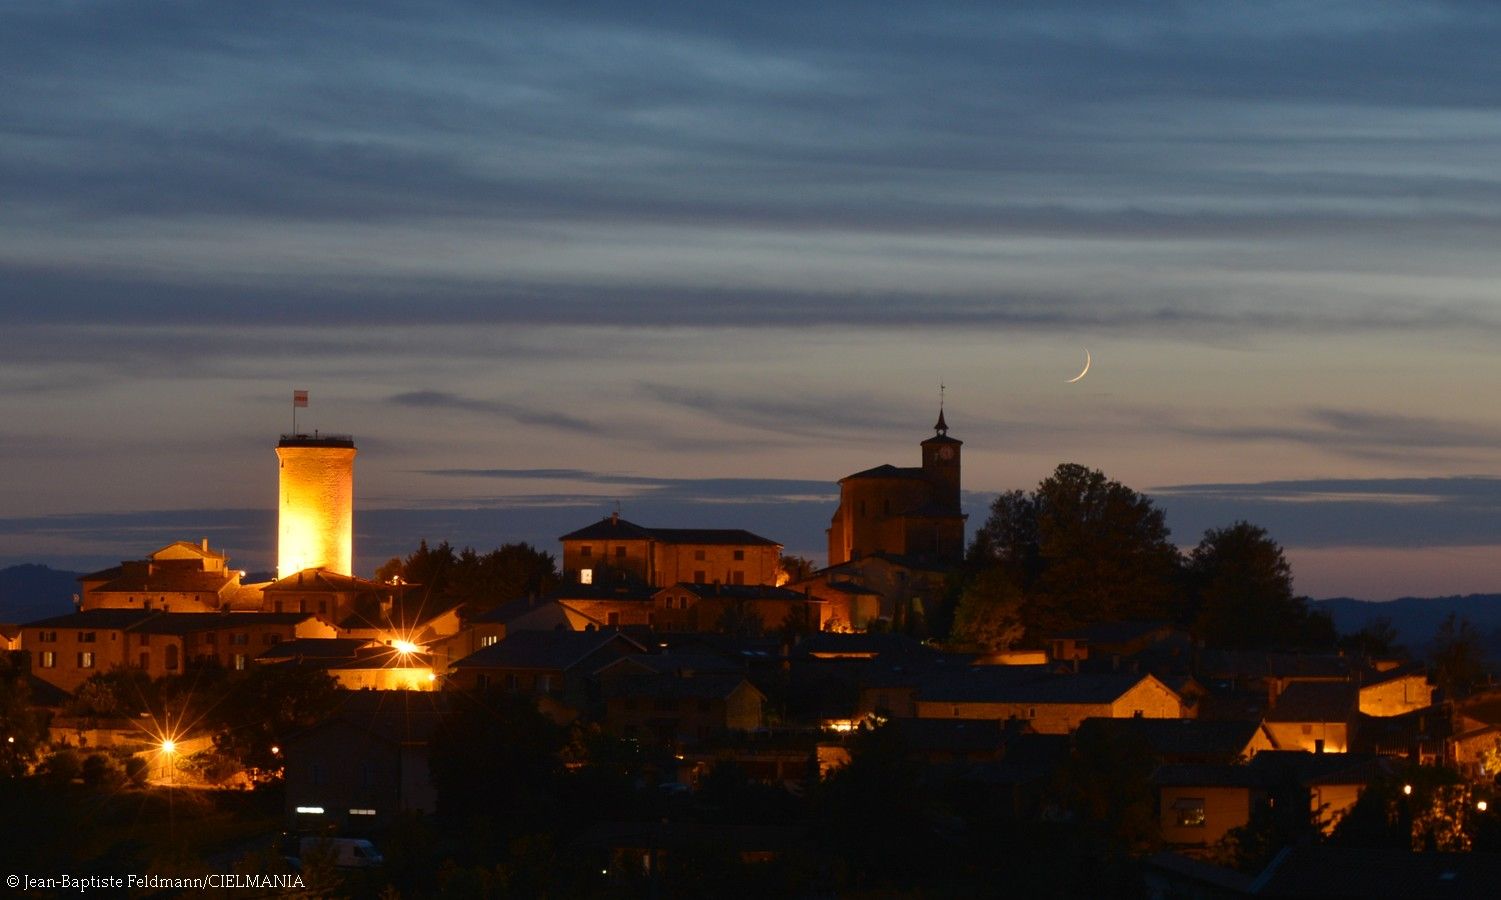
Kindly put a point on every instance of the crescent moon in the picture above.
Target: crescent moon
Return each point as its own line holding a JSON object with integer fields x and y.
{"x": 1087, "y": 361}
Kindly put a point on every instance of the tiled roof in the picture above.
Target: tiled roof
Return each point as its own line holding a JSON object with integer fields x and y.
{"x": 705, "y": 686}
{"x": 553, "y": 650}
{"x": 107, "y": 619}
{"x": 191, "y": 623}
{"x": 323, "y": 580}
{"x": 1316, "y": 701}
{"x": 1181, "y": 737}
{"x": 888, "y": 471}
{"x": 1025, "y": 684}
{"x": 168, "y": 579}
{"x": 740, "y": 591}
{"x": 612, "y": 528}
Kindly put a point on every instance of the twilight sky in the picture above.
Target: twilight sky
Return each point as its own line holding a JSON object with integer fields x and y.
{"x": 705, "y": 259}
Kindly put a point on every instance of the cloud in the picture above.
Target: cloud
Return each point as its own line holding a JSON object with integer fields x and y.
{"x": 1359, "y": 434}
{"x": 429, "y": 399}
{"x": 1334, "y": 512}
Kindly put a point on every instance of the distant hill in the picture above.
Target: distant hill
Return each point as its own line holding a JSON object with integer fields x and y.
{"x": 1416, "y": 619}
{"x": 29, "y": 592}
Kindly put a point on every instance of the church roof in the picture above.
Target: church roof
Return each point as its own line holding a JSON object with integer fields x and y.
{"x": 889, "y": 471}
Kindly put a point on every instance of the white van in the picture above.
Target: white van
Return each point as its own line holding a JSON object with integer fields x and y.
{"x": 348, "y": 853}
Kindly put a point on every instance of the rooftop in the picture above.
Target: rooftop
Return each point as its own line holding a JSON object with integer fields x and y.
{"x": 316, "y": 440}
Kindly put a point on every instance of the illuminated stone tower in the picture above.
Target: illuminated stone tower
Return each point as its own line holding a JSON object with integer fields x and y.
{"x": 316, "y": 512}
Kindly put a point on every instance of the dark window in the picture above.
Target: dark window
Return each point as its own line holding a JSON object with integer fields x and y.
{"x": 620, "y": 553}
{"x": 586, "y": 551}
{"x": 86, "y": 637}
{"x": 739, "y": 555}
{"x": 145, "y": 640}
{"x": 698, "y": 555}
{"x": 699, "y": 576}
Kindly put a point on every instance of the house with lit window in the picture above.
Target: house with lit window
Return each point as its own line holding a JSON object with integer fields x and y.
{"x": 557, "y": 665}
{"x": 492, "y": 626}
{"x": 67, "y": 650}
{"x": 614, "y": 549}
{"x": 326, "y": 593}
{"x": 1198, "y": 805}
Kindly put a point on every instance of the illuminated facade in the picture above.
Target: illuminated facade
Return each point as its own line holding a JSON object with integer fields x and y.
{"x": 315, "y": 514}
{"x": 908, "y": 512}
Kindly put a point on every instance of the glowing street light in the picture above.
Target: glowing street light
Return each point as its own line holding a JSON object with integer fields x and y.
{"x": 1482, "y": 806}
{"x": 1407, "y": 789}
{"x": 404, "y": 646}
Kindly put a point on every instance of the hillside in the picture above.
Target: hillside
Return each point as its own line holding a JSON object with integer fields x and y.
{"x": 1417, "y": 618}
{"x": 29, "y": 592}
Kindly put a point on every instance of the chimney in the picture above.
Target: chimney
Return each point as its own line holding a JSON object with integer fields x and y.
{"x": 205, "y": 545}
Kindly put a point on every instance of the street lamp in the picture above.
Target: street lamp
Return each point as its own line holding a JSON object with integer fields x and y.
{"x": 169, "y": 747}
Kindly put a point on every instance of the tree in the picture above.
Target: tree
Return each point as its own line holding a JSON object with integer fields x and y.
{"x": 494, "y": 758}
{"x": 796, "y": 568}
{"x": 1458, "y": 657}
{"x": 1082, "y": 549}
{"x": 481, "y": 580}
{"x": 989, "y": 612}
{"x": 267, "y": 704}
{"x": 1377, "y": 638}
{"x": 23, "y": 732}
{"x": 1241, "y": 593}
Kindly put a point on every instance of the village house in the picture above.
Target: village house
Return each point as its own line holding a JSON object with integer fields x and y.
{"x": 1051, "y": 703}
{"x": 559, "y": 665}
{"x": 675, "y": 710}
{"x": 1199, "y": 804}
{"x": 614, "y": 549}
{"x": 1316, "y": 716}
{"x": 729, "y": 607}
{"x": 357, "y": 663}
{"x": 492, "y": 626}
{"x": 67, "y": 650}
{"x": 180, "y": 577}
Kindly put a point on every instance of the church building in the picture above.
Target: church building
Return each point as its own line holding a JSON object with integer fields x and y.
{"x": 899, "y": 511}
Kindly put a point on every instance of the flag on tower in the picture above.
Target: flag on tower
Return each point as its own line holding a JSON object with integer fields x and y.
{"x": 299, "y": 398}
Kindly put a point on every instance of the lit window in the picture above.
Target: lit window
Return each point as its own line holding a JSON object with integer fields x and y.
{"x": 1190, "y": 812}
{"x": 362, "y": 812}
{"x": 586, "y": 576}
{"x": 49, "y": 659}
{"x": 86, "y": 660}
{"x": 239, "y": 662}
{"x": 488, "y": 640}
